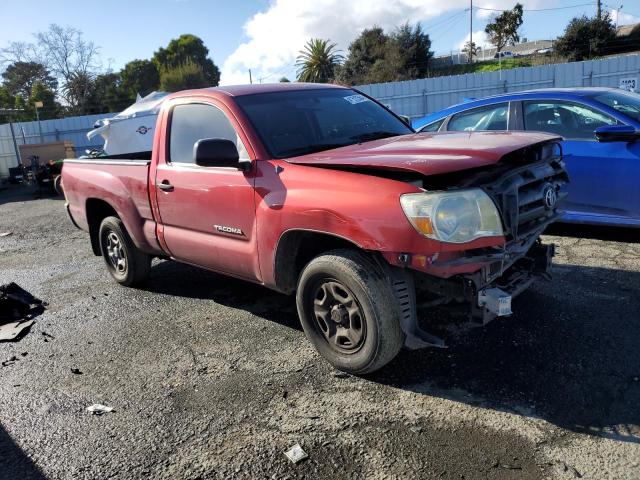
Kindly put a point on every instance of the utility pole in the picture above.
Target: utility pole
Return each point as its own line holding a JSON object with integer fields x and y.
{"x": 618, "y": 15}
{"x": 39, "y": 105}
{"x": 599, "y": 10}
{"x": 250, "y": 79}
{"x": 470, "y": 31}
{"x": 9, "y": 111}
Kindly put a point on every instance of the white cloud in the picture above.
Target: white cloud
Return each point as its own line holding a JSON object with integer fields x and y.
{"x": 623, "y": 18}
{"x": 277, "y": 34}
{"x": 479, "y": 38}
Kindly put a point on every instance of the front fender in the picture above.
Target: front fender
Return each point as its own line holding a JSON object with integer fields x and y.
{"x": 361, "y": 209}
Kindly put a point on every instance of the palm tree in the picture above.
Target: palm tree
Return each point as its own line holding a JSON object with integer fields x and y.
{"x": 317, "y": 61}
{"x": 77, "y": 92}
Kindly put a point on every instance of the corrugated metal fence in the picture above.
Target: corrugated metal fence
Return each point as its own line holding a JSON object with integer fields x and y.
{"x": 414, "y": 98}
{"x": 73, "y": 129}
{"x": 417, "y": 98}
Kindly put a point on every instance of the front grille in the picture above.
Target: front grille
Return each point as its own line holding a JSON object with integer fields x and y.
{"x": 528, "y": 197}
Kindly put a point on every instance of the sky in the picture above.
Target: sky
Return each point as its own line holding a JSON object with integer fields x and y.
{"x": 266, "y": 35}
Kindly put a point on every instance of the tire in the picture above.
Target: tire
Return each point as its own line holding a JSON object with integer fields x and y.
{"x": 126, "y": 264}
{"x": 57, "y": 185}
{"x": 348, "y": 311}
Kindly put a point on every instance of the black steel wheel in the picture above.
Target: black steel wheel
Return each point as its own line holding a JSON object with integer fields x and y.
{"x": 338, "y": 316}
{"x": 348, "y": 311}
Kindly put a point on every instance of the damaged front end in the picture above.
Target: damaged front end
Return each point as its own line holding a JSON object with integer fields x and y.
{"x": 527, "y": 190}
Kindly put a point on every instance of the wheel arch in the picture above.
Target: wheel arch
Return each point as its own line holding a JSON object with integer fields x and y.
{"x": 97, "y": 210}
{"x": 296, "y": 248}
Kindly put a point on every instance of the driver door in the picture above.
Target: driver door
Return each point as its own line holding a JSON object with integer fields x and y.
{"x": 207, "y": 213}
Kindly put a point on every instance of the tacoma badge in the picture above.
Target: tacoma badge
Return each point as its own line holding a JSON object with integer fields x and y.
{"x": 225, "y": 229}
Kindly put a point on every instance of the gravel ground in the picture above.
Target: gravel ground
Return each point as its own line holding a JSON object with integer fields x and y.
{"x": 213, "y": 378}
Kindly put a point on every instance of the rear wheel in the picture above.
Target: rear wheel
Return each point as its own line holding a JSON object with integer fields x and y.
{"x": 57, "y": 185}
{"x": 348, "y": 311}
{"x": 126, "y": 264}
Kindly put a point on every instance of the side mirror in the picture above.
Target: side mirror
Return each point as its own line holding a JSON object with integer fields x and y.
{"x": 217, "y": 152}
{"x": 405, "y": 119}
{"x": 617, "y": 133}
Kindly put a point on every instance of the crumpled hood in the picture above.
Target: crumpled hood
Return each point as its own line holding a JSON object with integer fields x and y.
{"x": 428, "y": 154}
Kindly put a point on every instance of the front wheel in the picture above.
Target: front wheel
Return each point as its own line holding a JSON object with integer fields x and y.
{"x": 348, "y": 311}
{"x": 126, "y": 264}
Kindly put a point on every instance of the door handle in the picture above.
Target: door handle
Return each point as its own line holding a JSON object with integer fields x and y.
{"x": 165, "y": 186}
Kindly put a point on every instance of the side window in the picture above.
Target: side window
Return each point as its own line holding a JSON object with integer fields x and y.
{"x": 570, "y": 120}
{"x": 491, "y": 117}
{"x": 432, "y": 127}
{"x": 195, "y": 121}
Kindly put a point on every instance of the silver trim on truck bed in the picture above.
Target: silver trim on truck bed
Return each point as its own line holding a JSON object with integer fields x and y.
{"x": 108, "y": 162}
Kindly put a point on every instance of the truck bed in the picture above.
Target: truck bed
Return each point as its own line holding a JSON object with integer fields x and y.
{"x": 118, "y": 182}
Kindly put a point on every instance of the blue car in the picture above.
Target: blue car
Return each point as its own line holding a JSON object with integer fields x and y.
{"x": 601, "y": 131}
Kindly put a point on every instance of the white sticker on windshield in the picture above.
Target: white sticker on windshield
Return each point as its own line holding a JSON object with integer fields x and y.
{"x": 353, "y": 99}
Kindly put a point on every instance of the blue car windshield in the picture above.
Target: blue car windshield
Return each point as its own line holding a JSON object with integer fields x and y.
{"x": 299, "y": 122}
{"x": 627, "y": 103}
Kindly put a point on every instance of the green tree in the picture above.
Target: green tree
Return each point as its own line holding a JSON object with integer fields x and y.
{"x": 414, "y": 48}
{"x": 41, "y": 92}
{"x": 585, "y": 37}
{"x": 79, "y": 91}
{"x": 367, "y": 49}
{"x": 108, "y": 94}
{"x": 503, "y": 30}
{"x": 284, "y": 80}
{"x": 317, "y": 61}
{"x": 19, "y": 78}
{"x": 6, "y": 101}
{"x": 20, "y": 103}
{"x": 471, "y": 50}
{"x": 187, "y": 48}
{"x": 183, "y": 77}
{"x": 140, "y": 76}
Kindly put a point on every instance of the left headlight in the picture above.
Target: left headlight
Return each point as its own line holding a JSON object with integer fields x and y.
{"x": 454, "y": 217}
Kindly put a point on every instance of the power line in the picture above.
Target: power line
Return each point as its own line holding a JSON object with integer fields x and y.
{"x": 446, "y": 31}
{"x": 445, "y": 19}
{"x": 446, "y": 26}
{"x": 635, "y": 14}
{"x": 539, "y": 9}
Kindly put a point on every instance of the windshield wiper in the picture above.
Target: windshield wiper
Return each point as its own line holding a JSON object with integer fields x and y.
{"x": 367, "y": 137}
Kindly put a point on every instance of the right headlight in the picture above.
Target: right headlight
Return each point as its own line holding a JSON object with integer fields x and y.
{"x": 455, "y": 217}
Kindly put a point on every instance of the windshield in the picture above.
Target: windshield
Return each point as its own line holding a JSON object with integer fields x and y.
{"x": 627, "y": 103}
{"x": 305, "y": 121}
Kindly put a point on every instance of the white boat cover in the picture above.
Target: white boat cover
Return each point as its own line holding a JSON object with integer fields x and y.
{"x": 131, "y": 130}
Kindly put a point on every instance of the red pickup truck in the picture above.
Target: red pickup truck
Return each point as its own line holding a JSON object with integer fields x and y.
{"x": 321, "y": 191}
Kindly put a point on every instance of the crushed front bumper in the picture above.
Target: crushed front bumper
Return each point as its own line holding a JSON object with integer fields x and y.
{"x": 490, "y": 295}
{"x": 482, "y": 294}
{"x": 488, "y": 291}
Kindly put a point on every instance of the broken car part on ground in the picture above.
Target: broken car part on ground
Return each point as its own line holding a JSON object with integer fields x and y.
{"x": 18, "y": 308}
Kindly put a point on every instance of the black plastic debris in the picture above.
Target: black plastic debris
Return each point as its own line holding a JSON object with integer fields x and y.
{"x": 9, "y": 361}
{"x": 18, "y": 308}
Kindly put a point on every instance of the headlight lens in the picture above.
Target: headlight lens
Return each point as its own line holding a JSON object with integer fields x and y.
{"x": 454, "y": 217}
